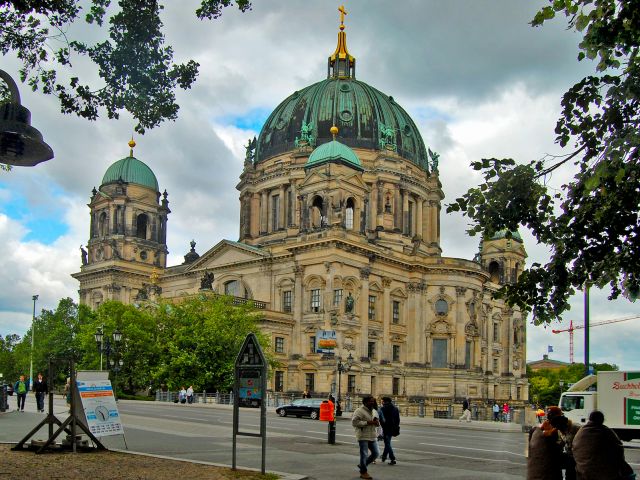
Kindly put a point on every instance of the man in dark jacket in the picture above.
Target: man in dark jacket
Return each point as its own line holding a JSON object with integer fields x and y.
{"x": 390, "y": 428}
{"x": 40, "y": 389}
{"x": 598, "y": 452}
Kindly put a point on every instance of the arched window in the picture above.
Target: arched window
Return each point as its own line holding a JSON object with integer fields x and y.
{"x": 317, "y": 212}
{"x": 234, "y": 289}
{"x": 103, "y": 225}
{"x": 348, "y": 214}
{"x": 494, "y": 271}
{"x": 141, "y": 226}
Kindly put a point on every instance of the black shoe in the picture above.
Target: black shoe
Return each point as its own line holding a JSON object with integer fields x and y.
{"x": 392, "y": 462}
{"x": 383, "y": 459}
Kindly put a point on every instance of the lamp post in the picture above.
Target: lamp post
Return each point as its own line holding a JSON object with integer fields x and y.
{"x": 561, "y": 383}
{"x": 342, "y": 367}
{"x": 20, "y": 144}
{"x": 33, "y": 334}
{"x": 105, "y": 346}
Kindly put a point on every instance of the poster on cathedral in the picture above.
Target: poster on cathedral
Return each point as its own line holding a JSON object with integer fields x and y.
{"x": 327, "y": 341}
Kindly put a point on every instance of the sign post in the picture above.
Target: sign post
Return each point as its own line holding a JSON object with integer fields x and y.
{"x": 249, "y": 389}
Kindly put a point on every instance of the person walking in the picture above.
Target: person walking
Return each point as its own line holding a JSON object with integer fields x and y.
{"x": 567, "y": 431}
{"x": 505, "y": 412}
{"x": 496, "y": 412}
{"x": 390, "y": 419}
{"x": 182, "y": 395}
{"x": 21, "y": 389}
{"x": 466, "y": 413}
{"x": 598, "y": 452}
{"x": 364, "y": 422}
{"x": 544, "y": 459}
{"x": 40, "y": 389}
{"x": 190, "y": 394}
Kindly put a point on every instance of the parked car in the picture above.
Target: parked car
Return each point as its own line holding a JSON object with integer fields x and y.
{"x": 302, "y": 407}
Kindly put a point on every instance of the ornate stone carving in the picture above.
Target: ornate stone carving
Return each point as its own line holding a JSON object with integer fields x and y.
{"x": 460, "y": 291}
{"x": 206, "y": 281}
{"x": 365, "y": 272}
{"x": 386, "y": 282}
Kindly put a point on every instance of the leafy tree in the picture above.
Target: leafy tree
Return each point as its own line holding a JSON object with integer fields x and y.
{"x": 202, "y": 338}
{"x": 138, "y": 349}
{"x": 136, "y": 68}
{"x": 592, "y": 226}
{"x": 8, "y": 366}
{"x": 544, "y": 384}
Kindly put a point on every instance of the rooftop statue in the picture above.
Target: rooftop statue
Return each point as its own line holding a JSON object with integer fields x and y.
{"x": 434, "y": 160}
{"x": 387, "y": 137}
{"x": 306, "y": 137}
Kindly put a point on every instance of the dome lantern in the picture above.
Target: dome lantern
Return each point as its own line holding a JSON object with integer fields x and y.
{"x": 341, "y": 64}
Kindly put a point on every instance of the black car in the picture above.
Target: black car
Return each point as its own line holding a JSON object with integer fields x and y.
{"x": 9, "y": 389}
{"x": 302, "y": 407}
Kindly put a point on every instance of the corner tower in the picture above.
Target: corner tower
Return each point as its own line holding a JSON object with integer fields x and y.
{"x": 127, "y": 234}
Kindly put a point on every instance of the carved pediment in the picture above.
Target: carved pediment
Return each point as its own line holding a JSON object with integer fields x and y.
{"x": 471, "y": 329}
{"x": 440, "y": 326}
{"x": 226, "y": 253}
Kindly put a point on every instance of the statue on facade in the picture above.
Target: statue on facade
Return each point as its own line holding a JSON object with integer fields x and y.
{"x": 349, "y": 303}
{"x": 306, "y": 137}
{"x": 83, "y": 254}
{"x": 250, "y": 154}
{"x": 434, "y": 160}
{"x": 387, "y": 137}
{"x": 206, "y": 282}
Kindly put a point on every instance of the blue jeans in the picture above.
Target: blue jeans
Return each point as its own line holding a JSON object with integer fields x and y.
{"x": 365, "y": 458}
{"x": 388, "y": 451}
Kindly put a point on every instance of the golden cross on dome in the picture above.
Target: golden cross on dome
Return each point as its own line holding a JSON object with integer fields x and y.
{"x": 343, "y": 12}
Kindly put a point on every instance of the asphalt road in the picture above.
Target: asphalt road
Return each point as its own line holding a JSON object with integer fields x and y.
{"x": 300, "y": 446}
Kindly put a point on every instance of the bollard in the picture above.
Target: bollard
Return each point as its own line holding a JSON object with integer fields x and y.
{"x": 3, "y": 398}
{"x": 421, "y": 408}
{"x": 332, "y": 432}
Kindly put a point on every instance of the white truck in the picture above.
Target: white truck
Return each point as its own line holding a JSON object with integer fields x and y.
{"x": 617, "y": 397}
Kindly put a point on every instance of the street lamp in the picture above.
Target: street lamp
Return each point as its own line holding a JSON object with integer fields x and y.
{"x": 342, "y": 367}
{"x": 561, "y": 383}
{"x": 33, "y": 334}
{"x": 105, "y": 346}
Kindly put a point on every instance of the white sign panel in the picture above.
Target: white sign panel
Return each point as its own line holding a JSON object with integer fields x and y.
{"x": 100, "y": 408}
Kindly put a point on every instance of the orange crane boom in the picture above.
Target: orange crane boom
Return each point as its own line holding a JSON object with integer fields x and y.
{"x": 593, "y": 324}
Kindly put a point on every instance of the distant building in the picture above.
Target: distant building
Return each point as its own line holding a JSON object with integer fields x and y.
{"x": 339, "y": 238}
{"x": 547, "y": 363}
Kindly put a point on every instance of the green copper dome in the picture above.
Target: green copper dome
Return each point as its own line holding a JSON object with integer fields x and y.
{"x": 131, "y": 170}
{"x": 334, "y": 152}
{"x": 506, "y": 234}
{"x": 365, "y": 117}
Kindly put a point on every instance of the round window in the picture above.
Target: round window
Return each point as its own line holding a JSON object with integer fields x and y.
{"x": 346, "y": 116}
{"x": 143, "y": 255}
{"x": 442, "y": 307}
{"x": 345, "y": 87}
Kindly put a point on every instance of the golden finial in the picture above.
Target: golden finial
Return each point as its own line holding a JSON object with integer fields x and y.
{"x": 334, "y": 131}
{"x": 132, "y": 145}
{"x": 343, "y": 12}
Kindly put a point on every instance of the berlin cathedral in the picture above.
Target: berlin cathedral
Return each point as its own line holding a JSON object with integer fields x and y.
{"x": 339, "y": 246}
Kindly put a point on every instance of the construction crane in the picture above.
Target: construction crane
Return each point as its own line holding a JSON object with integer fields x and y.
{"x": 592, "y": 324}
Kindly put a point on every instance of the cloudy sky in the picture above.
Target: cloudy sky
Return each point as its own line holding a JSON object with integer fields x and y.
{"x": 477, "y": 79}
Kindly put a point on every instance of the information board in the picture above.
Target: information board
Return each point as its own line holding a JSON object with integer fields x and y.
{"x": 100, "y": 407}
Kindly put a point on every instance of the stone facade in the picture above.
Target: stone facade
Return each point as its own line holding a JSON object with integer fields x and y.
{"x": 335, "y": 246}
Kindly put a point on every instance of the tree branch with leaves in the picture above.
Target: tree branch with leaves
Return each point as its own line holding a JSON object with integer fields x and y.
{"x": 592, "y": 225}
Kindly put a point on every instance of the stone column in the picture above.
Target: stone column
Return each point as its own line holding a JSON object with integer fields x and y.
{"x": 264, "y": 209}
{"x": 386, "y": 314}
{"x": 254, "y": 215}
{"x": 419, "y": 232}
{"x": 380, "y": 202}
{"x": 295, "y": 215}
{"x": 405, "y": 211}
{"x": 397, "y": 214}
{"x": 414, "y": 334}
{"x": 298, "y": 309}
{"x": 363, "y": 312}
{"x": 281, "y": 214}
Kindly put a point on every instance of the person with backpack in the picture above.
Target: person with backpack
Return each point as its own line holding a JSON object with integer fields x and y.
{"x": 21, "y": 388}
{"x": 390, "y": 418}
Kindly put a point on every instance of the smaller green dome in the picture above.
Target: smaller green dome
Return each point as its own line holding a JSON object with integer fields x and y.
{"x": 334, "y": 151}
{"x": 131, "y": 170}
{"x": 504, "y": 233}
